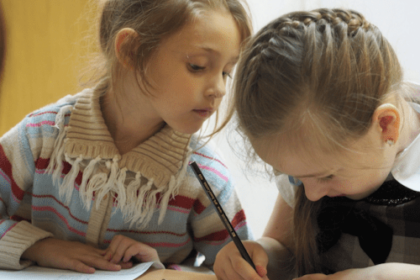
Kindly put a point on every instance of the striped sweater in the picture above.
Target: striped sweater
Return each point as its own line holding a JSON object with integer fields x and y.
{"x": 61, "y": 175}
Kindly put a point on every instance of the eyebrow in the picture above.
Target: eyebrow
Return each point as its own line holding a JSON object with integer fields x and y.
{"x": 210, "y": 50}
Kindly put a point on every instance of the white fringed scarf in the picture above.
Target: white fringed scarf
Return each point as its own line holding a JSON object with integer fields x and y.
{"x": 159, "y": 163}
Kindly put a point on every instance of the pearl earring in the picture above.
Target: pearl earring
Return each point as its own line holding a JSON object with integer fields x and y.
{"x": 390, "y": 142}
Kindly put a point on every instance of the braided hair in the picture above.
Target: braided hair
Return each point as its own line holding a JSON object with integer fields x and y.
{"x": 330, "y": 68}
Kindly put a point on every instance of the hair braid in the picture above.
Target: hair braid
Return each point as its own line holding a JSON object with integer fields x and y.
{"x": 332, "y": 63}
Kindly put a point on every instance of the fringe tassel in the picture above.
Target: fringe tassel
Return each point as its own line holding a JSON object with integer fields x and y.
{"x": 120, "y": 190}
{"x": 58, "y": 166}
{"x": 86, "y": 194}
{"x": 141, "y": 208}
{"x": 132, "y": 189}
{"x": 95, "y": 184}
{"x": 165, "y": 200}
{"x": 173, "y": 187}
{"x": 109, "y": 185}
{"x": 55, "y": 165}
{"x": 152, "y": 203}
{"x": 136, "y": 202}
{"x": 66, "y": 189}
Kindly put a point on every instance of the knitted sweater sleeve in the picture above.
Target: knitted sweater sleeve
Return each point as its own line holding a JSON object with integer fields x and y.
{"x": 210, "y": 234}
{"x": 17, "y": 167}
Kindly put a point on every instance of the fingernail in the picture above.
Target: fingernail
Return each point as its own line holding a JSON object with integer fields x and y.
{"x": 261, "y": 270}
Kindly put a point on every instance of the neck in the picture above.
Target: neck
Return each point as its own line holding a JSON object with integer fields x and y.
{"x": 128, "y": 119}
{"x": 410, "y": 127}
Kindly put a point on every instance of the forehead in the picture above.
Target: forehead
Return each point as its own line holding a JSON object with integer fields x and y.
{"x": 212, "y": 30}
{"x": 283, "y": 153}
{"x": 304, "y": 155}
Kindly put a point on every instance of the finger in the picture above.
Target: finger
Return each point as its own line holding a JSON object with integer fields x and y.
{"x": 113, "y": 246}
{"x": 126, "y": 265}
{"x": 262, "y": 271}
{"x": 101, "y": 252}
{"x": 108, "y": 255}
{"x": 100, "y": 263}
{"x": 80, "y": 267}
{"x": 221, "y": 275}
{"x": 105, "y": 265}
{"x": 233, "y": 275}
{"x": 223, "y": 267}
{"x": 260, "y": 259}
{"x": 111, "y": 249}
{"x": 130, "y": 252}
{"x": 109, "y": 252}
{"x": 219, "y": 270}
{"x": 142, "y": 253}
{"x": 121, "y": 251}
{"x": 244, "y": 269}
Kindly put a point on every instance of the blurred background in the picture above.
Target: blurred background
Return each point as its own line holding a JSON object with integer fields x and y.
{"x": 46, "y": 44}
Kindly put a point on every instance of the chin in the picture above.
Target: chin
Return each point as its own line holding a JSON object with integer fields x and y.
{"x": 186, "y": 130}
{"x": 360, "y": 196}
{"x": 356, "y": 197}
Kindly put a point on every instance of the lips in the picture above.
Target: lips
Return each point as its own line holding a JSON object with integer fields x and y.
{"x": 340, "y": 195}
{"x": 204, "y": 112}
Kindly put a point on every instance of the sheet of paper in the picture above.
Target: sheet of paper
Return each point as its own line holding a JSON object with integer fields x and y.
{"x": 42, "y": 273}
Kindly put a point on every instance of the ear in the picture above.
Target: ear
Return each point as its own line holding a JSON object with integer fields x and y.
{"x": 387, "y": 119}
{"x": 124, "y": 56}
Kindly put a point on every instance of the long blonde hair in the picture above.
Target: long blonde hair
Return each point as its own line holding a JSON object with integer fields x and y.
{"x": 331, "y": 63}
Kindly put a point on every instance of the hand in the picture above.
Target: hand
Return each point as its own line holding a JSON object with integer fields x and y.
{"x": 123, "y": 248}
{"x": 72, "y": 255}
{"x": 230, "y": 265}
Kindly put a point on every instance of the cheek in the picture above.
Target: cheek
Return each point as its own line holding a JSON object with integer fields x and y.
{"x": 313, "y": 186}
{"x": 360, "y": 186}
{"x": 353, "y": 184}
{"x": 217, "y": 102}
{"x": 373, "y": 177}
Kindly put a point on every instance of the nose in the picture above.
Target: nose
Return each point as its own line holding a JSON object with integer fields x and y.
{"x": 217, "y": 87}
{"x": 315, "y": 191}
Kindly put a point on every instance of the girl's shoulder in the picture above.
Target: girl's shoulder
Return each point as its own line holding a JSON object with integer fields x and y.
{"x": 205, "y": 152}
{"x": 47, "y": 119}
{"x": 50, "y": 111}
{"x": 211, "y": 163}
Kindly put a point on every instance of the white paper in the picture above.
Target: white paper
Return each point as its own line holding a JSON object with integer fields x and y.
{"x": 43, "y": 273}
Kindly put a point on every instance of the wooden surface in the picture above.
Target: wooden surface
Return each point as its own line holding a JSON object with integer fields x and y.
{"x": 169, "y": 274}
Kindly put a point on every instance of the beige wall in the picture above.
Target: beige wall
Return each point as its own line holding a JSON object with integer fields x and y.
{"x": 45, "y": 51}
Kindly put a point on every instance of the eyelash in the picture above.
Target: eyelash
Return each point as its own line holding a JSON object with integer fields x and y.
{"x": 227, "y": 74}
{"x": 197, "y": 68}
{"x": 324, "y": 179}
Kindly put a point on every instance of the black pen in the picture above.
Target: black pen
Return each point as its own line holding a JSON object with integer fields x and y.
{"x": 221, "y": 213}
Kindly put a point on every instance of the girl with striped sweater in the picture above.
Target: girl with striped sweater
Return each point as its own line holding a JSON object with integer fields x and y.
{"x": 100, "y": 179}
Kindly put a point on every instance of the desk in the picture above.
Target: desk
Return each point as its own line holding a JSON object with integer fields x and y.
{"x": 170, "y": 274}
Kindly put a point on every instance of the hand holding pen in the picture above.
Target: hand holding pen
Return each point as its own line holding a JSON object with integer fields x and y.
{"x": 236, "y": 240}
